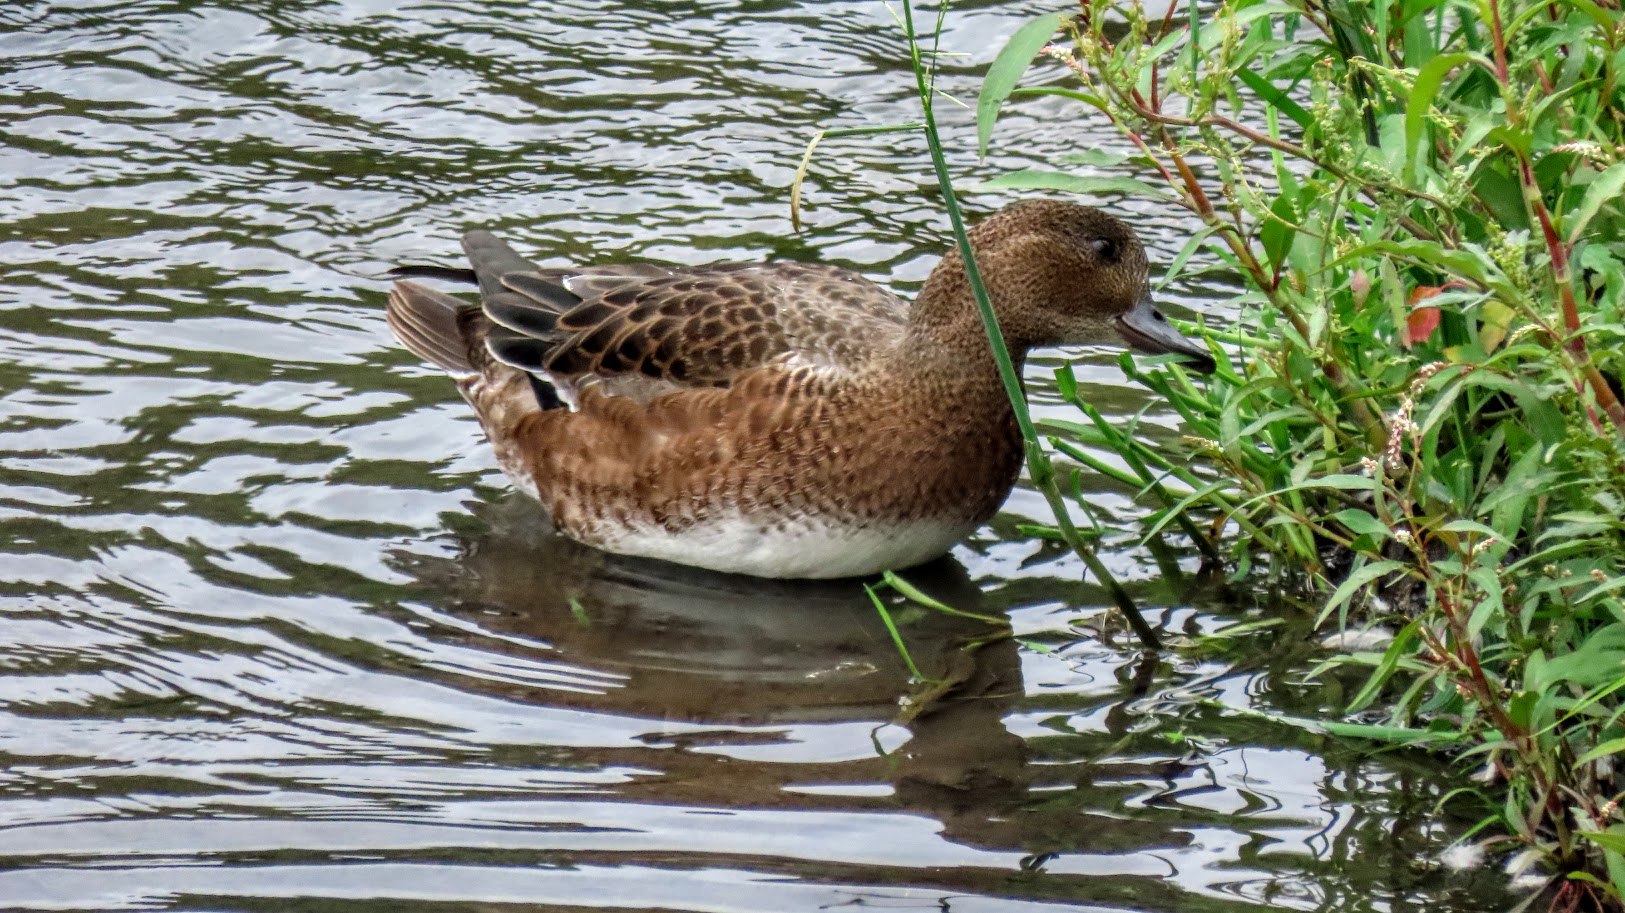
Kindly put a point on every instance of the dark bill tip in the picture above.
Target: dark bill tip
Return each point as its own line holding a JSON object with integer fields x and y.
{"x": 1144, "y": 328}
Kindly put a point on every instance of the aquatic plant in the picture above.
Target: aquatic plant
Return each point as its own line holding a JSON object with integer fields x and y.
{"x": 1417, "y": 415}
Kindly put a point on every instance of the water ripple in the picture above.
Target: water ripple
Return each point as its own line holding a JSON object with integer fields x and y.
{"x": 275, "y": 635}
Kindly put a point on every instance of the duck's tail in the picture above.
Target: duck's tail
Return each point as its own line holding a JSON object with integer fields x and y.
{"x": 456, "y": 335}
{"x": 451, "y": 333}
{"x": 438, "y": 328}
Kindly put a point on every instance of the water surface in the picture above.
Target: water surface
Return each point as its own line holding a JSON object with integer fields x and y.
{"x": 276, "y": 635}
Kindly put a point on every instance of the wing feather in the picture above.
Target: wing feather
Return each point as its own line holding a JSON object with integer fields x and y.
{"x": 676, "y": 327}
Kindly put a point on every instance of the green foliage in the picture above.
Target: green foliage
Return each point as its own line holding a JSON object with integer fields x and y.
{"x": 1419, "y": 419}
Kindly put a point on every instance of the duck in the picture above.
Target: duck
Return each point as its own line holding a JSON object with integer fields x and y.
{"x": 774, "y": 419}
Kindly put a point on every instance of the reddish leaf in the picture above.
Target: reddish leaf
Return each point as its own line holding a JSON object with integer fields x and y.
{"x": 1423, "y": 292}
{"x": 1423, "y": 320}
{"x": 1420, "y": 325}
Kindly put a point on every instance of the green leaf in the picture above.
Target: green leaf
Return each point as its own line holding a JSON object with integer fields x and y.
{"x": 1007, "y": 69}
{"x": 1604, "y": 189}
{"x": 1396, "y": 735}
{"x": 1177, "y": 265}
{"x": 1399, "y": 735}
{"x": 1428, "y": 80}
{"x": 1267, "y": 91}
{"x": 1596, "y": 661}
{"x": 1354, "y": 582}
{"x": 1608, "y": 840}
{"x": 1501, "y": 194}
{"x": 1390, "y": 661}
{"x": 1036, "y": 179}
{"x": 1362, "y": 523}
{"x": 1491, "y": 605}
{"x": 915, "y": 595}
{"x": 1094, "y": 158}
{"x": 1612, "y": 746}
{"x": 1277, "y": 232}
{"x": 1341, "y": 481}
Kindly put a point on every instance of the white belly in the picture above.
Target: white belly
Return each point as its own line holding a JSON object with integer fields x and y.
{"x": 802, "y": 548}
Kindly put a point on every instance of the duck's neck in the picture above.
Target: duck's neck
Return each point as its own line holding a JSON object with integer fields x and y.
{"x": 954, "y": 371}
{"x": 952, "y": 387}
{"x": 946, "y": 333}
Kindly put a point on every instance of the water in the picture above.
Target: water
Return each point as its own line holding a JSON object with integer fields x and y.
{"x": 275, "y": 635}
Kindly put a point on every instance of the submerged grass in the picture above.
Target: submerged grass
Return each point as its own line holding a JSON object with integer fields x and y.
{"x": 1421, "y": 425}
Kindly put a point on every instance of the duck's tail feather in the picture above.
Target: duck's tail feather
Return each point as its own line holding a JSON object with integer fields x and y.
{"x": 492, "y": 258}
{"x": 456, "y": 335}
{"x": 423, "y": 271}
{"x": 434, "y": 325}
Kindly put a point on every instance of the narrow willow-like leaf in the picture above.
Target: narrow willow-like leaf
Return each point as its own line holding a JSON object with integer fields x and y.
{"x": 1604, "y": 189}
{"x": 1612, "y": 746}
{"x": 1607, "y": 839}
{"x": 914, "y": 594}
{"x": 1399, "y": 735}
{"x": 896, "y": 635}
{"x": 1428, "y": 80}
{"x": 1353, "y": 583}
{"x": 1385, "y": 668}
{"x": 1278, "y": 99}
{"x": 1007, "y": 69}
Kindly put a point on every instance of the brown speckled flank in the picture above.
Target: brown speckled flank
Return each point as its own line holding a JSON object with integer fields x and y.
{"x": 775, "y": 419}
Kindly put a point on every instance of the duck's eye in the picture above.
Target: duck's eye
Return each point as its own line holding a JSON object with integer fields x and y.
{"x": 1104, "y": 248}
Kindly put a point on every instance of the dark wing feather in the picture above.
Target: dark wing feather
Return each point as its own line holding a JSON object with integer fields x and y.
{"x": 433, "y": 325}
{"x": 698, "y": 326}
{"x": 522, "y": 313}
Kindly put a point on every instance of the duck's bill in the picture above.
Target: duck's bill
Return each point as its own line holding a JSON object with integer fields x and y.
{"x": 1146, "y": 329}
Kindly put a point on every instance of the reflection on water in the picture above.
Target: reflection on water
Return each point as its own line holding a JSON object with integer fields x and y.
{"x": 275, "y": 636}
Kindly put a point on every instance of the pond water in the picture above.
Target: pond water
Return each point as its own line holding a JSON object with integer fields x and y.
{"x": 275, "y": 634}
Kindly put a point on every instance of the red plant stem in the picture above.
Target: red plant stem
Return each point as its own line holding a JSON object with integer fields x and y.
{"x": 1167, "y": 20}
{"x": 1498, "y": 39}
{"x": 1192, "y": 185}
{"x": 1545, "y": 80}
{"x": 1156, "y": 79}
{"x": 1563, "y": 278}
{"x": 1490, "y": 698}
{"x": 1556, "y": 249}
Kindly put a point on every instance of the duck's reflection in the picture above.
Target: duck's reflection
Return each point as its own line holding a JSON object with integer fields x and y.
{"x": 720, "y": 651}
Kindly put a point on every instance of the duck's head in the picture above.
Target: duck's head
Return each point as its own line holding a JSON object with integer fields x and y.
{"x": 1060, "y": 274}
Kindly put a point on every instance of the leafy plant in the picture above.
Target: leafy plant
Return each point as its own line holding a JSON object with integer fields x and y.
{"x": 1422, "y": 419}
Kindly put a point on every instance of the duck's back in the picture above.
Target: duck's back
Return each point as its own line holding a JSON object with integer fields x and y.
{"x": 654, "y": 329}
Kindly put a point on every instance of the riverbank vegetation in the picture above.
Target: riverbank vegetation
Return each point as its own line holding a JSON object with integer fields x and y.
{"x": 1418, "y": 416}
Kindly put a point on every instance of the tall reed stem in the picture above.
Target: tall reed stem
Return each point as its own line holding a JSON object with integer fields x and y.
{"x": 1038, "y": 462}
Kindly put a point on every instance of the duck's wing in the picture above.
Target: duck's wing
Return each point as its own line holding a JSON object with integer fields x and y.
{"x": 655, "y": 327}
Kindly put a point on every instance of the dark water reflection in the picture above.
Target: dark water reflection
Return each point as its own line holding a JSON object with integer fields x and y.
{"x": 274, "y": 635}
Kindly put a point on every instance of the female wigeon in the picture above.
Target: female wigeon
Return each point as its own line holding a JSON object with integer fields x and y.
{"x": 774, "y": 419}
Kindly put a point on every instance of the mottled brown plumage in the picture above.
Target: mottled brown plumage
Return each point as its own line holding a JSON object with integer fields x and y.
{"x": 778, "y": 419}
